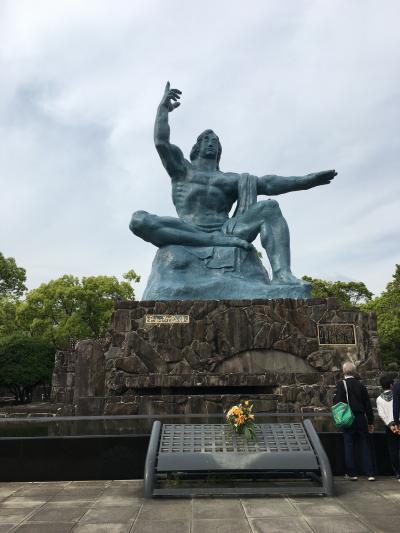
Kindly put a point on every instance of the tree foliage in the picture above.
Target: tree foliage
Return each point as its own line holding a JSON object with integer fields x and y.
{"x": 387, "y": 308}
{"x": 68, "y": 309}
{"x": 350, "y": 294}
{"x": 25, "y": 362}
{"x": 8, "y": 316}
{"x": 50, "y": 317}
{"x": 12, "y": 278}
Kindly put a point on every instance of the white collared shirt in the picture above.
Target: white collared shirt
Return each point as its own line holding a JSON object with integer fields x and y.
{"x": 385, "y": 409}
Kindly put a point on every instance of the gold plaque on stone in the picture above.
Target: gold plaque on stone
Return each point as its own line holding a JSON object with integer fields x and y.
{"x": 336, "y": 334}
{"x": 167, "y": 319}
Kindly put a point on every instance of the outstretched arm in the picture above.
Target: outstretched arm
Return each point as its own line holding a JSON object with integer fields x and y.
{"x": 171, "y": 156}
{"x": 273, "y": 185}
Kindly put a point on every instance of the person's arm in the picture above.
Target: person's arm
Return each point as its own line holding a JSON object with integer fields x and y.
{"x": 367, "y": 405}
{"x": 381, "y": 411}
{"x": 171, "y": 156}
{"x": 396, "y": 404}
{"x": 273, "y": 185}
{"x": 340, "y": 394}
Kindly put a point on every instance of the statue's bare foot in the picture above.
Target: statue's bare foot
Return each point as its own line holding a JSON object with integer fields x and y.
{"x": 287, "y": 278}
{"x": 220, "y": 239}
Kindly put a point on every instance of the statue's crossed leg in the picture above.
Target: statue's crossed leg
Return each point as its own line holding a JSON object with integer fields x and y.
{"x": 162, "y": 231}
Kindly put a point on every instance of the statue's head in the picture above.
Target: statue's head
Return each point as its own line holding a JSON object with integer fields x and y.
{"x": 207, "y": 146}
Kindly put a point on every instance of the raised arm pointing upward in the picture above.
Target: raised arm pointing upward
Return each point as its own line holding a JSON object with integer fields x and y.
{"x": 171, "y": 156}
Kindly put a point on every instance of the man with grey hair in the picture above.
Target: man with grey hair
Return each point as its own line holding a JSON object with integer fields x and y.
{"x": 350, "y": 390}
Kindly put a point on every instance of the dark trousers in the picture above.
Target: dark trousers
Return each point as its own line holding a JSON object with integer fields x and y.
{"x": 358, "y": 433}
{"x": 393, "y": 444}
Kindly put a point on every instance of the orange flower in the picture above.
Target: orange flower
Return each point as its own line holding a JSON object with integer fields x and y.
{"x": 232, "y": 411}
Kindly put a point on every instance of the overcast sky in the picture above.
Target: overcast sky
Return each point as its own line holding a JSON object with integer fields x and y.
{"x": 289, "y": 86}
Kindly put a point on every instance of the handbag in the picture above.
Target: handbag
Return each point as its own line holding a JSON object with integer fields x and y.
{"x": 343, "y": 416}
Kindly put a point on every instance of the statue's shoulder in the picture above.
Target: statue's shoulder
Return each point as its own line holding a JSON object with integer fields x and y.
{"x": 232, "y": 176}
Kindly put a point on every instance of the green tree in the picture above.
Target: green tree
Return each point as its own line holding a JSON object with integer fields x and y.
{"x": 25, "y": 363}
{"x": 349, "y": 293}
{"x": 12, "y": 287}
{"x": 68, "y": 309}
{"x": 12, "y": 278}
{"x": 8, "y": 316}
{"x": 387, "y": 308}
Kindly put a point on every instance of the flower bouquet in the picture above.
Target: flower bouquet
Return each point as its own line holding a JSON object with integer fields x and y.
{"x": 241, "y": 419}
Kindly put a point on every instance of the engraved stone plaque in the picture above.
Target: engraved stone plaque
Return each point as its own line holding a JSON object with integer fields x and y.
{"x": 167, "y": 319}
{"x": 336, "y": 334}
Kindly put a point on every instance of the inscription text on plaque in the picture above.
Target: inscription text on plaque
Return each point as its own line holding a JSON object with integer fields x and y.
{"x": 167, "y": 319}
{"x": 336, "y": 334}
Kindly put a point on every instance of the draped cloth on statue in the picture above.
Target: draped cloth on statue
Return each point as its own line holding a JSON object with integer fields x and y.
{"x": 247, "y": 193}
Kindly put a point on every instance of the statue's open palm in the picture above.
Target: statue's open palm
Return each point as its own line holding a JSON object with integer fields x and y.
{"x": 323, "y": 177}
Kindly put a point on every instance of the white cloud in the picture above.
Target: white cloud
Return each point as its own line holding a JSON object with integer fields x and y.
{"x": 290, "y": 87}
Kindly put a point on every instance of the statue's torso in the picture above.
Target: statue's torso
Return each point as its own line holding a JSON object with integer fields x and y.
{"x": 204, "y": 197}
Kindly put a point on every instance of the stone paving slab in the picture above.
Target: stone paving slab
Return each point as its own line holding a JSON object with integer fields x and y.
{"x": 337, "y": 524}
{"x": 283, "y": 525}
{"x": 119, "y": 507}
{"x": 102, "y": 528}
{"x": 268, "y": 507}
{"x": 222, "y": 525}
{"x": 163, "y": 526}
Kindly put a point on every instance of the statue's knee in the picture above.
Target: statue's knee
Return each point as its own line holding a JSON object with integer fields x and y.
{"x": 270, "y": 206}
{"x": 138, "y": 221}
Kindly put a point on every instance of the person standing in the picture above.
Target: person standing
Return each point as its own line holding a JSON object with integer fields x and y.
{"x": 384, "y": 404}
{"x": 363, "y": 423}
{"x": 396, "y": 406}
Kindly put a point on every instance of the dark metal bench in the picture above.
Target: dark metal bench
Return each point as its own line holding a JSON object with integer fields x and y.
{"x": 210, "y": 459}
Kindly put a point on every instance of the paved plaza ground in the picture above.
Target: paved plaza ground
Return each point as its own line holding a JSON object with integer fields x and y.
{"x": 118, "y": 507}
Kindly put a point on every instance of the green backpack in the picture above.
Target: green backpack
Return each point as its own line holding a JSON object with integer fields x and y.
{"x": 342, "y": 414}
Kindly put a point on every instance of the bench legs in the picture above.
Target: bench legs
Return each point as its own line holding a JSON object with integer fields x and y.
{"x": 324, "y": 465}
{"x": 150, "y": 464}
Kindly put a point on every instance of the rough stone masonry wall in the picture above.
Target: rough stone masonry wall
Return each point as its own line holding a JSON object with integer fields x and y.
{"x": 63, "y": 380}
{"x": 219, "y": 330}
{"x": 266, "y": 349}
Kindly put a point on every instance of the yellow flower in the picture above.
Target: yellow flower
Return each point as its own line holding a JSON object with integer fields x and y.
{"x": 233, "y": 410}
{"x": 246, "y": 402}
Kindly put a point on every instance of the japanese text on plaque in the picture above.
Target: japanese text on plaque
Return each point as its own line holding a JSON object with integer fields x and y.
{"x": 336, "y": 334}
{"x": 167, "y": 319}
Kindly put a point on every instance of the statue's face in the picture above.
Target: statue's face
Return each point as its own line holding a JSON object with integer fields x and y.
{"x": 209, "y": 146}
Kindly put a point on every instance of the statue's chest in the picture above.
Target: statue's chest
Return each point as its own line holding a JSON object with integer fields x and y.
{"x": 209, "y": 181}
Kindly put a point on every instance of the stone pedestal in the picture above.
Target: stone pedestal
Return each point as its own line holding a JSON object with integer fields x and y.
{"x": 202, "y": 356}
{"x": 214, "y": 272}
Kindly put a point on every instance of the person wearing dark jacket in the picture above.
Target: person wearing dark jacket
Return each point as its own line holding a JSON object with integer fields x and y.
{"x": 396, "y": 406}
{"x": 363, "y": 422}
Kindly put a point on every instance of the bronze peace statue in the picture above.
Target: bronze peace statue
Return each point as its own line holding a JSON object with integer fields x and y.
{"x": 204, "y": 254}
